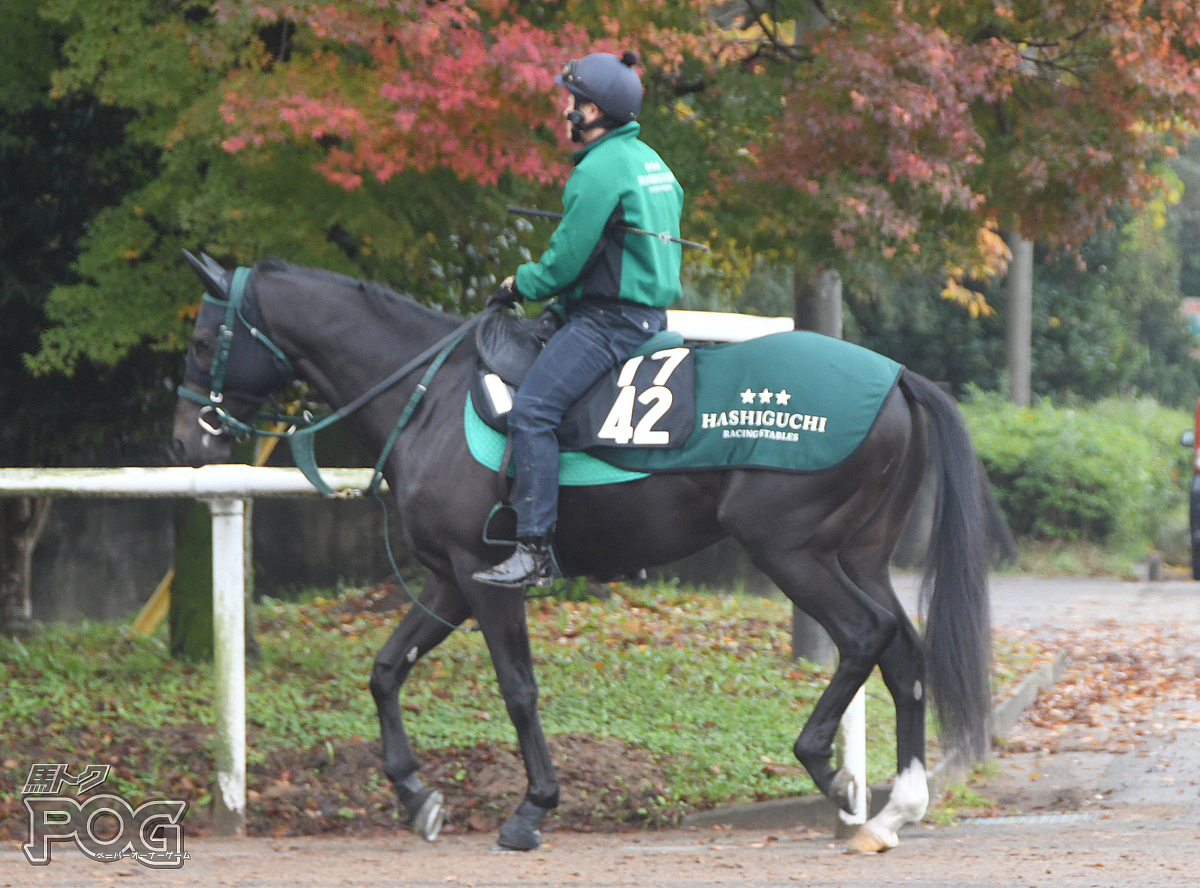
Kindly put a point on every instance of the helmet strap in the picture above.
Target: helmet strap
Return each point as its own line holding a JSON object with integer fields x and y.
{"x": 578, "y": 128}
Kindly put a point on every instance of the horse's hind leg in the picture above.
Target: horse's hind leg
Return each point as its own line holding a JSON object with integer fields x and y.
{"x": 419, "y": 632}
{"x": 860, "y": 628}
{"x": 902, "y": 666}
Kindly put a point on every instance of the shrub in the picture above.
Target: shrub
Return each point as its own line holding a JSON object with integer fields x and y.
{"x": 1111, "y": 471}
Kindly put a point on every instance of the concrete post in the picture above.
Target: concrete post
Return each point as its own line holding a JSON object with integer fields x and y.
{"x": 1018, "y": 339}
{"x": 818, "y": 307}
{"x": 229, "y": 664}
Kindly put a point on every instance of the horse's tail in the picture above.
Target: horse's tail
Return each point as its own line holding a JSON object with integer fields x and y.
{"x": 955, "y": 607}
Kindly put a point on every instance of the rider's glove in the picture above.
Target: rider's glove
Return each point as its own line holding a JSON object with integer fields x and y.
{"x": 506, "y": 294}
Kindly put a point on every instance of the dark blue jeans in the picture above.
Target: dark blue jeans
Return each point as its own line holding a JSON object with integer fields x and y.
{"x": 596, "y": 337}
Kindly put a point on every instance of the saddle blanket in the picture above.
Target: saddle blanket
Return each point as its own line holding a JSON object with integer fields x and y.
{"x": 794, "y": 401}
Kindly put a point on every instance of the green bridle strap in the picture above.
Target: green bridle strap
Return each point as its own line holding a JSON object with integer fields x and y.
{"x": 301, "y": 440}
{"x": 410, "y": 408}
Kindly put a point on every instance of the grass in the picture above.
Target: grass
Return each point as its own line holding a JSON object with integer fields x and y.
{"x": 704, "y": 684}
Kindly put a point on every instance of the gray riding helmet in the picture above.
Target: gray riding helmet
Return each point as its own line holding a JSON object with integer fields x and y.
{"x": 607, "y": 80}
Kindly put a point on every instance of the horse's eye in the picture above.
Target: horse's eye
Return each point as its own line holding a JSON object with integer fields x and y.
{"x": 200, "y": 346}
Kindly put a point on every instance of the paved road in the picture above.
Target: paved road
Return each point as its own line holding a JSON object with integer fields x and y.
{"x": 1089, "y": 817}
{"x": 1035, "y": 602}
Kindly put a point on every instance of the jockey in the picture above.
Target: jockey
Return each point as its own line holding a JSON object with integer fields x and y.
{"x": 614, "y": 285}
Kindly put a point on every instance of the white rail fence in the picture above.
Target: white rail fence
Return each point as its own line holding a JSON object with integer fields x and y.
{"x": 226, "y": 488}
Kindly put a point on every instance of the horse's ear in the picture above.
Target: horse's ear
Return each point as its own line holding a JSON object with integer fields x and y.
{"x": 216, "y": 279}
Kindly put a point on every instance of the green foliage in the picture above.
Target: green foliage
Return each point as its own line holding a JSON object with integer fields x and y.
{"x": 1106, "y": 321}
{"x": 1110, "y": 472}
{"x": 27, "y": 55}
{"x": 440, "y": 238}
{"x": 61, "y": 162}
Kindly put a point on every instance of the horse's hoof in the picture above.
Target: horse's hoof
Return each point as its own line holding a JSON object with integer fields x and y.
{"x": 867, "y": 841}
{"x": 430, "y": 817}
{"x": 521, "y": 832}
{"x": 842, "y": 789}
{"x": 517, "y": 835}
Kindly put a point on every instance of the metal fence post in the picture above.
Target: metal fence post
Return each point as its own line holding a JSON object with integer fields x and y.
{"x": 229, "y": 663}
{"x": 852, "y": 755}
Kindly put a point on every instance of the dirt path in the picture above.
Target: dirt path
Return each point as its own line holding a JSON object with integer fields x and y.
{"x": 1135, "y": 849}
{"x": 1099, "y": 785}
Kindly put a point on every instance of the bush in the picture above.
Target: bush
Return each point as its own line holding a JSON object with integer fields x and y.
{"x": 1109, "y": 472}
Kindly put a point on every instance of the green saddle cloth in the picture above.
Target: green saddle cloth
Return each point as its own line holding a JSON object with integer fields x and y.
{"x": 797, "y": 401}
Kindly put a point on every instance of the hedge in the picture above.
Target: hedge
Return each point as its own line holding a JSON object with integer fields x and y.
{"x": 1111, "y": 471}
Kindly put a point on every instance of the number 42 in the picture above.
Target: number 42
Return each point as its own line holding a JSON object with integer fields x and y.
{"x": 618, "y": 425}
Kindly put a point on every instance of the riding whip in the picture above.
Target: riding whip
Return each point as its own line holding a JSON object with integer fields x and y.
{"x": 545, "y": 214}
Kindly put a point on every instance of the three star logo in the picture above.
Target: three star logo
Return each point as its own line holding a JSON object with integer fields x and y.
{"x": 764, "y": 397}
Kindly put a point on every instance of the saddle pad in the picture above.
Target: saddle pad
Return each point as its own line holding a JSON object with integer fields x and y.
{"x": 574, "y": 469}
{"x": 794, "y": 401}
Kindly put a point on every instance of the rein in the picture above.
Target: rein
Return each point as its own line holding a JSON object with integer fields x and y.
{"x": 300, "y": 439}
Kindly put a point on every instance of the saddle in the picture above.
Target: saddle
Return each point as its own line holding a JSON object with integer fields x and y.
{"x": 648, "y": 401}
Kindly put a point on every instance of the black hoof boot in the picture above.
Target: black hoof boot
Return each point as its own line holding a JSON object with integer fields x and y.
{"x": 522, "y": 831}
{"x": 530, "y": 565}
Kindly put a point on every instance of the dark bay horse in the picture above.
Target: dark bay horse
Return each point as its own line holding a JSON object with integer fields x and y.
{"x": 825, "y": 537}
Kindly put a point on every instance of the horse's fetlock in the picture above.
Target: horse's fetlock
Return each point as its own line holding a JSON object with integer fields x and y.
{"x": 408, "y": 787}
{"x": 546, "y": 802}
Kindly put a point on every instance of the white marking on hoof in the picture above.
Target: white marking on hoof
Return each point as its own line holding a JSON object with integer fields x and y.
{"x": 867, "y": 841}
{"x": 909, "y": 799}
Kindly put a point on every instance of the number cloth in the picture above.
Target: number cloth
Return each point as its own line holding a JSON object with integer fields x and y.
{"x": 795, "y": 401}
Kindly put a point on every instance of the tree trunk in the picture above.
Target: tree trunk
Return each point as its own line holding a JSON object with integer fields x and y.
{"x": 191, "y": 615}
{"x": 22, "y": 520}
{"x": 1019, "y": 321}
{"x": 818, "y": 307}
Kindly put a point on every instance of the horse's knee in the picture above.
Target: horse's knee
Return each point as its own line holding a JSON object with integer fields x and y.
{"x": 387, "y": 677}
{"x": 521, "y": 701}
{"x": 866, "y": 647}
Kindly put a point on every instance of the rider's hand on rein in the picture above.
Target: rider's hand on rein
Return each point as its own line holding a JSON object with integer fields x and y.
{"x": 506, "y": 294}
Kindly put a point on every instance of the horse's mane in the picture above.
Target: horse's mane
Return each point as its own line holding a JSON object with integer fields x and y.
{"x": 390, "y": 306}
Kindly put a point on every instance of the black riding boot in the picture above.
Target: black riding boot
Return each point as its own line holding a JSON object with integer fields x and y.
{"x": 529, "y": 565}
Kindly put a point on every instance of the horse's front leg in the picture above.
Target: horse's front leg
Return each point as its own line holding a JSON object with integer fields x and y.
{"x": 501, "y": 616}
{"x": 421, "y": 630}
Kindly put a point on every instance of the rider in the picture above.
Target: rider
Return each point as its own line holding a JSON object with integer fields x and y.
{"x": 615, "y": 287}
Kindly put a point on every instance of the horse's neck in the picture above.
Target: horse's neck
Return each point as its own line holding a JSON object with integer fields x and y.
{"x": 343, "y": 339}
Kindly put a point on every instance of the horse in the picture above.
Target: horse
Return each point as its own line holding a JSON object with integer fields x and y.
{"x": 824, "y": 537}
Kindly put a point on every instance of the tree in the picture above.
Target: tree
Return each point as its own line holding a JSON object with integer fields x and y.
{"x": 61, "y": 162}
{"x": 883, "y": 134}
{"x": 169, "y": 67}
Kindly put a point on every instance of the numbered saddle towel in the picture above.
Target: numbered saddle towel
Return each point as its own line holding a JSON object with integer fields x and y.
{"x": 793, "y": 401}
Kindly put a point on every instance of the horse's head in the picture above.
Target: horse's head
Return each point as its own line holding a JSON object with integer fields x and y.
{"x": 232, "y": 367}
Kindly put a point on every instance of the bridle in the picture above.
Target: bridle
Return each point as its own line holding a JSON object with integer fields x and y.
{"x": 212, "y": 405}
{"x": 215, "y": 419}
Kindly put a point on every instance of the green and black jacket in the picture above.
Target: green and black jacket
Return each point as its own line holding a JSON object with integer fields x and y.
{"x": 617, "y": 180}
